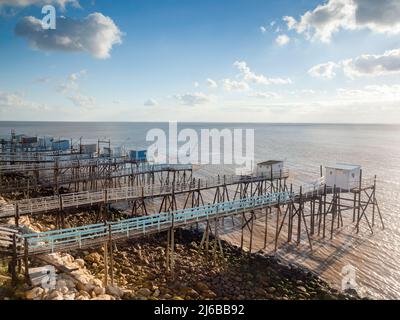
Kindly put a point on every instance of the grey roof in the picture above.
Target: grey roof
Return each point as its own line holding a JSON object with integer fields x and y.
{"x": 344, "y": 166}
{"x": 269, "y": 162}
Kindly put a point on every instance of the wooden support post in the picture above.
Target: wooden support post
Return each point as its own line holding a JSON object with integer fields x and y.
{"x": 299, "y": 212}
{"x": 278, "y": 211}
{"x": 373, "y": 202}
{"x": 251, "y": 233}
{"x": 26, "y": 261}
{"x": 215, "y": 240}
{"x": 359, "y": 202}
{"x": 324, "y": 213}
{"x": 16, "y": 215}
{"x": 334, "y": 208}
{"x": 172, "y": 252}
{"x": 242, "y": 227}
{"x": 14, "y": 277}
{"x": 105, "y": 264}
{"x": 290, "y": 221}
{"x": 111, "y": 255}
{"x": 167, "y": 251}
{"x": 266, "y": 228}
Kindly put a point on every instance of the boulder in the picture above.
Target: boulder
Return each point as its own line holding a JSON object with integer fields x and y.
{"x": 144, "y": 292}
{"x": 103, "y": 297}
{"x": 80, "y": 263}
{"x": 35, "y": 293}
{"x": 93, "y": 258}
{"x": 202, "y": 286}
{"x": 115, "y": 291}
{"x": 99, "y": 291}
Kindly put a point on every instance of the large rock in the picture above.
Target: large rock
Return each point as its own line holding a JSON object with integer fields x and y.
{"x": 103, "y": 297}
{"x": 115, "y": 291}
{"x": 80, "y": 263}
{"x": 202, "y": 286}
{"x": 94, "y": 257}
{"x": 35, "y": 293}
{"x": 99, "y": 291}
{"x": 145, "y": 292}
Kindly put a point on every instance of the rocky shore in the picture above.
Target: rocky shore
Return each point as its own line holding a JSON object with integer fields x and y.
{"x": 139, "y": 269}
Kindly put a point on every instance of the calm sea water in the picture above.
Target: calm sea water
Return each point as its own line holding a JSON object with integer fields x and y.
{"x": 304, "y": 147}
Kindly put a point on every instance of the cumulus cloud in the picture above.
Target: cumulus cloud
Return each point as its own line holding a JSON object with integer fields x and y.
{"x": 10, "y": 101}
{"x": 364, "y": 65}
{"x": 151, "y": 103}
{"x": 282, "y": 40}
{"x": 71, "y": 90}
{"x": 371, "y": 93}
{"x": 335, "y": 15}
{"x": 211, "y": 83}
{"x": 250, "y": 76}
{"x": 96, "y": 34}
{"x": 82, "y": 101}
{"x": 192, "y": 99}
{"x": 266, "y": 95}
{"x": 372, "y": 65}
{"x": 233, "y": 85}
{"x": 263, "y": 29}
{"x": 324, "y": 70}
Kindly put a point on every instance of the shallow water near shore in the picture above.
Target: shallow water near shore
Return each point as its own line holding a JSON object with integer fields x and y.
{"x": 304, "y": 148}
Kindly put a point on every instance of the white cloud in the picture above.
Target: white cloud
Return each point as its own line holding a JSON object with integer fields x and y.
{"x": 233, "y": 85}
{"x": 82, "y": 101}
{"x": 371, "y": 93}
{"x": 24, "y": 3}
{"x": 10, "y": 101}
{"x": 211, "y": 83}
{"x": 250, "y": 76}
{"x": 263, "y": 29}
{"x": 364, "y": 65}
{"x": 266, "y": 95}
{"x": 71, "y": 90}
{"x": 324, "y": 70}
{"x": 72, "y": 82}
{"x": 192, "y": 99}
{"x": 290, "y": 21}
{"x": 151, "y": 103}
{"x": 96, "y": 34}
{"x": 372, "y": 65}
{"x": 196, "y": 84}
{"x": 282, "y": 40}
{"x": 335, "y": 15}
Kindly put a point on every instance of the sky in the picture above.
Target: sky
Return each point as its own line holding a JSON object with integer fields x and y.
{"x": 335, "y": 61}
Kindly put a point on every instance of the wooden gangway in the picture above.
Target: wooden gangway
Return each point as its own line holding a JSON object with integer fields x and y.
{"x": 97, "y": 234}
{"x": 48, "y": 180}
{"x": 18, "y": 157}
{"x": 64, "y": 164}
{"x": 113, "y": 195}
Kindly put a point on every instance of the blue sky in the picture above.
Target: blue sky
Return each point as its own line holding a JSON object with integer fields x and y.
{"x": 186, "y": 60}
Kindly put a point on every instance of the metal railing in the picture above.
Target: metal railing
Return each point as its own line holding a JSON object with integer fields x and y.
{"x": 80, "y": 237}
{"x": 110, "y": 195}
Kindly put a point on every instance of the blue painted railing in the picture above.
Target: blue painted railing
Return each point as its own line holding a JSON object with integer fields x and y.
{"x": 52, "y": 241}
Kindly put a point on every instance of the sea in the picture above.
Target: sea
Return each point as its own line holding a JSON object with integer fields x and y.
{"x": 303, "y": 148}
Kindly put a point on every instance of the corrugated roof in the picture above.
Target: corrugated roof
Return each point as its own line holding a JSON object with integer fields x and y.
{"x": 269, "y": 162}
{"x": 344, "y": 166}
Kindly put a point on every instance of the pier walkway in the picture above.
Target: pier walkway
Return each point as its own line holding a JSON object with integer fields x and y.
{"x": 97, "y": 234}
{"x": 113, "y": 195}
